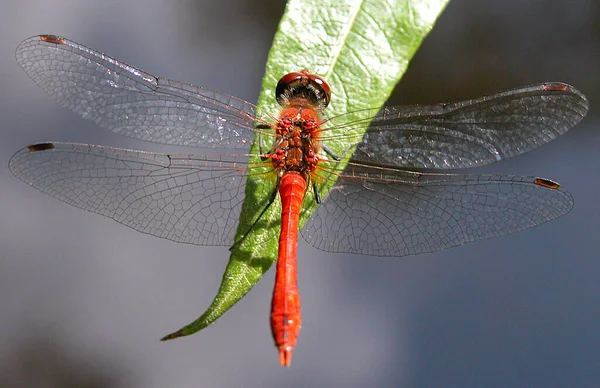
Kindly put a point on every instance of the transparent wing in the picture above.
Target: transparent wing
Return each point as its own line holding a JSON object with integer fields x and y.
{"x": 192, "y": 199}
{"x": 396, "y": 213}
{"x": 469, "y": 133}
{"x": 137, "y": 104}
{"x": 134, "y": 103}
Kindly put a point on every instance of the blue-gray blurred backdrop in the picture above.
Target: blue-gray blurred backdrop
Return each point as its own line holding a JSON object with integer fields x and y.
{"x": 83, "y": 300}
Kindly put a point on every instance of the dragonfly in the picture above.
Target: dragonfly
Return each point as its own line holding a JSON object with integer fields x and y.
{"x": 393, "y": 198}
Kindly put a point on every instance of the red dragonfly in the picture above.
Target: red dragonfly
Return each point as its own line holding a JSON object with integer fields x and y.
{"x": 388, "y": 201}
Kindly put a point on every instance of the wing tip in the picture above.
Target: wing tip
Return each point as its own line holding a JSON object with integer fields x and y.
{"x": 561, "y": 87}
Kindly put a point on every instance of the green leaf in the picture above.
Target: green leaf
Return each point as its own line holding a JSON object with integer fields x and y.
{"x": 361, "y": 48}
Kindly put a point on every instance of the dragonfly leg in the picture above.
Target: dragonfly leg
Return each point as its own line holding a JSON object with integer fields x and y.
{"x": 269, "y": 203}
{"x": 260, "y": 139}
{"x": 318, "y": 198}
{"x": 329, "y": 152}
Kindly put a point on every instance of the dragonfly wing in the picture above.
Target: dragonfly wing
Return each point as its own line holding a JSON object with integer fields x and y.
{"x": 132, "y": 102}
{"x": 403, "y": 213}
{"x": 193, "y": 199}
{"x": 469, "y": 133}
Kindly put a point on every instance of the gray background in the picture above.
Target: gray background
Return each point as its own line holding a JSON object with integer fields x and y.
{"x": 83, "y": 300}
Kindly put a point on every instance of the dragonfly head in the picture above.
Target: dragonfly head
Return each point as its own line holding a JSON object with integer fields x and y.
{"x": 303, "y": 88}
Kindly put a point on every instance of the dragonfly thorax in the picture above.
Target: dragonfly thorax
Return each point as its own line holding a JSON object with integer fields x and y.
{"x": 297, "y": 145}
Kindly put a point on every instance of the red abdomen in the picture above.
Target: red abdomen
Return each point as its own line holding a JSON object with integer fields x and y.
{"x": 285, "y": 306}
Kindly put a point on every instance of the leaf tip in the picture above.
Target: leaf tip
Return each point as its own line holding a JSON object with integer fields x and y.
{"x": 173, "y": 335}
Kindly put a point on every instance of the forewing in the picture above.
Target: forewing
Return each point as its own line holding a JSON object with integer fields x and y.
{"x": 193, "y": 199}
{"x": 397, "y": 213}
{"x": 469, "y": 133}
{"x": 132, "y": 102}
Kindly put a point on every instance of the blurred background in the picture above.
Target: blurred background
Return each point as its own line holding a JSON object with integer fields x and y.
{"x": 84, "y": 300}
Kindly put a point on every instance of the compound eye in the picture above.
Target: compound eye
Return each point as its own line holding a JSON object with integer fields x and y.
{"x": 285, "y": 83}
{"x": 320, "y": 83}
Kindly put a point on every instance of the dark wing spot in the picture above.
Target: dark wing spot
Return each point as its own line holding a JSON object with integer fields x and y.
{"x": 52, "y": 39}
{"x": 556, "y": 87}
{"x": 40, "y": 147}
{"x": 546, "y": 183}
